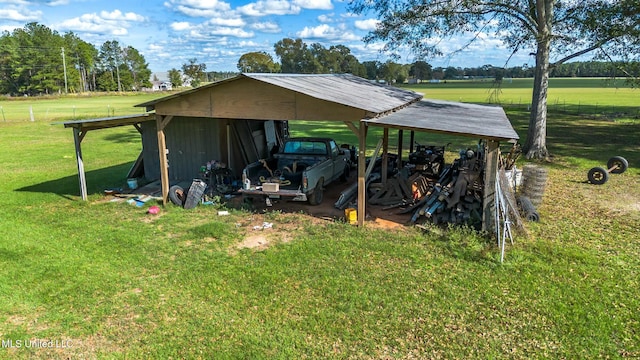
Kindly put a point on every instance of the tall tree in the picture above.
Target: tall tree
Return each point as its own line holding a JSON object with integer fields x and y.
{"x": 175, "y": 77}
{"x": 110, "y": 58}
{"x": 81, "y": 57}
{"x": 257, "y": 62}
{"x": 138, "y": 68}
{"x": 294, "y": 56}
{"x": 194, "y": 71}
{"x": 567, "y": 28}
{"x": 420, "y": 70}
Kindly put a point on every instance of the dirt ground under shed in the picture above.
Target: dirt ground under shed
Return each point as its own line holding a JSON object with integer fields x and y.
{"x": 375, "y": 215}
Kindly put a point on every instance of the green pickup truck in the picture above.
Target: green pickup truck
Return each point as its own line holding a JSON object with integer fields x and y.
{"x": 299, "y": 170}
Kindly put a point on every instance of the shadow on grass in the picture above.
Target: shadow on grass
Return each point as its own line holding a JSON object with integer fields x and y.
{"x": 130, "y": 137}
{"x": 97, "y": 180}
{"x": 589, "y": 139}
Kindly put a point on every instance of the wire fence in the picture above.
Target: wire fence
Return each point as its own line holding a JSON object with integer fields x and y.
{"x": 40, "y": 113}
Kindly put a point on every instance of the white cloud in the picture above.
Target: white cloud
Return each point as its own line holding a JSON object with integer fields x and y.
{"x": 118, "y": 15}
{"x": 19, "y": 14}
{"x": 266, "y": 27}
{"x": 234, "y": 22}
{"x": 114, "y": 23}
{"x": 58, "y": 2}
{"x": 230, "y": 31}
{"x": 269, "y": 7}
{"x": 314, "y": 4}
{"x": 326, "y": 18}
{"x": 199, "y": 8}
{"x": 367, "y": 25}
{"x": 327, "y": 32}
{"x": 180, "y": 26}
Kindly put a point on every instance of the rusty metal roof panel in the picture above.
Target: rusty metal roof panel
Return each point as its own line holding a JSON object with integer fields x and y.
{"x": 482, "y": 121}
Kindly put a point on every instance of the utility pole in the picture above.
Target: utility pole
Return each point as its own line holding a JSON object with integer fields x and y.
{"x": 64, "y": 65}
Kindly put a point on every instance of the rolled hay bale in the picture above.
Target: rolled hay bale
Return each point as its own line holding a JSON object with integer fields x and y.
{"x": 534, "y": 182}
{"x": 528, "y": 210}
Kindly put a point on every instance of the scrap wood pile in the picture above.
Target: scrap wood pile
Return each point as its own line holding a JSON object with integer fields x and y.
{"x": 452, "y": 195}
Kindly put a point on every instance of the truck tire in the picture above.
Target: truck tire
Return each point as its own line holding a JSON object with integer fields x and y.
{"x": 177, "y": 195}
{"x": 316, "y": 197}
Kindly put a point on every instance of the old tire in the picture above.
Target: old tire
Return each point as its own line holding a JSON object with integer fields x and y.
{"x": 598, "y": 175}
{"x": 619, "y": 164}
{"x": 318, "y": 193}
{"x": 177, "y": 195}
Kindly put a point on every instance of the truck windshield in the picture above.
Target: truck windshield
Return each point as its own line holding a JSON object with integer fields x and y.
{"x": 305, "y": 147}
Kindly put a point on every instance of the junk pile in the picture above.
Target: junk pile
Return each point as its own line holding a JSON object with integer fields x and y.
{"x": 445, "y": 194}
{"x": 428, "y": 189}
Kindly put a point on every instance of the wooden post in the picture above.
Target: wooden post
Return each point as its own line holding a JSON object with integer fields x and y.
{"x": 77, "y": 139}
{"x": 362, "y": 182}
{"x": 412, "y": 140}
{"x": 161, "y": 123}
{"x": 492, "y": 152}
{"x": 400, "y": 141}
{"x": 385, "y": 154}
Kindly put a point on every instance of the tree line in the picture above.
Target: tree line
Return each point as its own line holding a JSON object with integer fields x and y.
{"x": 36, "y": 60}
{"x": 298, "y": 57}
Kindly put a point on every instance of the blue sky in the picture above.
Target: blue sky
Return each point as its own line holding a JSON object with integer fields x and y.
{"x": 218, "y": 32}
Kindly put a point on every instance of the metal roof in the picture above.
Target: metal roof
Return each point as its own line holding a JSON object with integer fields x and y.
{"x": 345, "y": 89}
{"x": 487, "y": 122}
{"x": 102, "y": 123}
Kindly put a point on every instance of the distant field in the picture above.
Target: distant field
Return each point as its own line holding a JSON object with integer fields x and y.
{"x": 578, "y": 95}
{"x": 60, "y": 108}
{"x": 588, "y": 92}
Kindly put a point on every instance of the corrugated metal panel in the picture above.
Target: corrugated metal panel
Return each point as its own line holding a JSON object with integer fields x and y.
{"x": 345, "y": 89}
{"x": 192, "y": 142}
{"x": 488, "y": 122}
{"x": 150, "y": 154}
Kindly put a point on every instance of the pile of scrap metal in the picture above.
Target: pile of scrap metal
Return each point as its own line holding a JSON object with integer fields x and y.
{"x": 427, "y": 188}
{"x": 452, "y": 195}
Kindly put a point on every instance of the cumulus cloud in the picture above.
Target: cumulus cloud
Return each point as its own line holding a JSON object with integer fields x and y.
{"x": 114, "y": 22}
{"x": 180, "y": 26}
{"x": 367, "y": 25}
{"x": 19, "y": 14}
{"x": 266, "y": 27}
{"x": 326, "y": 32}
{"x": 233, "y": 22}
{"x": 269, "y": 7}
{"x": 199, "y": 8}
{"x": 314, "y": 4}
{"x": 326, "y": 18}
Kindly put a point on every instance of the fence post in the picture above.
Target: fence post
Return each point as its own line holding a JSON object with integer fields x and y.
{"x": 3, "y": 118}
{"x": 31, "y": 113}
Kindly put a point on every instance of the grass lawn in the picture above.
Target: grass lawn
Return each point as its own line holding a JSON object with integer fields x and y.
{"x": 107, "y": 280}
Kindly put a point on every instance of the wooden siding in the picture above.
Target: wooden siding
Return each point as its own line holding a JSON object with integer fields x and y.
{"x": 247, "y": 98}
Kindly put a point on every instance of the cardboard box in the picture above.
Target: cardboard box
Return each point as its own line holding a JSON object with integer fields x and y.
{"x": 271, "y": 187}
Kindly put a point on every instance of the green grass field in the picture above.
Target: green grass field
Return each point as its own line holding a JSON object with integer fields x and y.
{"x": 106, "y": 280}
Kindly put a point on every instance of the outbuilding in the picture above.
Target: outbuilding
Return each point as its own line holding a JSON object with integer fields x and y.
{"x": 239, "y": 120}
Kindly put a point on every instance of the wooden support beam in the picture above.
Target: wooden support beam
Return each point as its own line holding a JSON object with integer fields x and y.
{"x": 353, "y": 128}
{"x": 77, "y": 139}
{"x": 385, "y": 154}
{"x": 161, "y": 123}
{"x": 492, "y": 152}
{"x": 400, "y": 141}
{"x": 412, "y": 140}
{"x": 362, "y": 181}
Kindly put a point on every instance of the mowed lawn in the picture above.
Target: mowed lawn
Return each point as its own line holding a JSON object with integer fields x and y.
{"x": 107, "y": 280}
